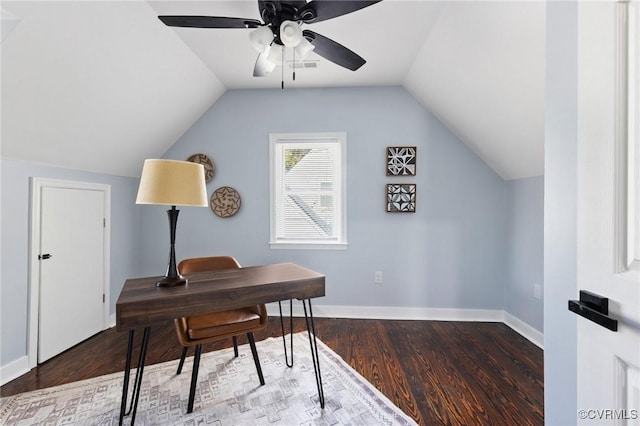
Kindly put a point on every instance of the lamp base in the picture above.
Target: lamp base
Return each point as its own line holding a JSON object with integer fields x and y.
{"x": 171, "y": 281}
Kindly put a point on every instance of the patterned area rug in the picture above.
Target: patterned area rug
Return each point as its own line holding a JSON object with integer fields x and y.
{"x": 228, "y": 393}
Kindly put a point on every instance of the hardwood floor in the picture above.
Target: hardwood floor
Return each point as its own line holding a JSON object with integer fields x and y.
{"x": 452, "y": 373}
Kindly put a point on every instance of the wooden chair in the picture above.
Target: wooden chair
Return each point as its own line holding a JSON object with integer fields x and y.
{"x": 199, "y": 329}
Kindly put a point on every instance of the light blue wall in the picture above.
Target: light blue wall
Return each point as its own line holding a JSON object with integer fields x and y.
{"x": 14, "y": 262}
{"x": 449, "y": 254}
{"x": 560, "y": 213}
{"x": 525, "y": 250}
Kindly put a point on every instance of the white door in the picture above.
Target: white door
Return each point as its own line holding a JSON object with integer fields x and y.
{"x": 608, "y": 388}
{"x": 72, "y": 266}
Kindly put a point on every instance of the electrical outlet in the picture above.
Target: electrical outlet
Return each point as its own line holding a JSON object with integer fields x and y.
{"x": 377, "y": 277}
{"x": 537, "y": 291}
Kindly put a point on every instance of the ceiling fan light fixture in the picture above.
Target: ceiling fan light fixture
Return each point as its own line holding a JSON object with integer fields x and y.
{"x": 303, "y": 48}
{"x": 280, "y": 28}
{"x": 263, "y": 65}
{"x": 275, "y": 54}
{"x": 261, "y": 38}
{"x": 290, "y": 33}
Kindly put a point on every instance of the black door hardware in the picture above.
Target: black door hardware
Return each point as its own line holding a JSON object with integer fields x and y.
{"x": 594, "y": 308}
{"x": 44, "y": 256}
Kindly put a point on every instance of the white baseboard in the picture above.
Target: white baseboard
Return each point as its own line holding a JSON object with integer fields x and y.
{"x": 14, "y": 369}
{"x": 524, "y": 329}
{"x": 392, "y": 313}
{"x": 424, "y": 314}
{"x": 112, "y": 320}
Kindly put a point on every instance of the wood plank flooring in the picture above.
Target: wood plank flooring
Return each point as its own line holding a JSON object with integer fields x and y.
{"x": 449, "y": 373}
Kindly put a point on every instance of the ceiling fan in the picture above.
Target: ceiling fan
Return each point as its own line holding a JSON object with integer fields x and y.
{"x": 281, "y": 27}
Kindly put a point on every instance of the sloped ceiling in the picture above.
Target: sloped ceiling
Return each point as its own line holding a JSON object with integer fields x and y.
{"x": 481, "y": 72}
{"x": 97, "y": 85}
{"x": 102, "y": 85}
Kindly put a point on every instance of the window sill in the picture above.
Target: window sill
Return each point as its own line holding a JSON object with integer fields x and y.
{"x": 299, "y": 245}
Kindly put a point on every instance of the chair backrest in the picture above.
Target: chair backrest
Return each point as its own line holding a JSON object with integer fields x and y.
{"x": 201, "y": 264}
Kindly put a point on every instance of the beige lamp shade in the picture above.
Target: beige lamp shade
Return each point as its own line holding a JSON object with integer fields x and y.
{"x": 172, "y": 183}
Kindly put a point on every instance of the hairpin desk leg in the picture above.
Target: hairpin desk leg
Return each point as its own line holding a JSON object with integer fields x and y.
{"x": 143, "y": 354}
{"x": 127, "y": 370}
{"x": 314, "y": 349}
{"x": 135, "y": 394}
{"x": 284, "y": 340}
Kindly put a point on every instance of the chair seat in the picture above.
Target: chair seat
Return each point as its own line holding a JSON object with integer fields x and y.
{"x": 206, "y": 328}
{"x": 236, "y": 321}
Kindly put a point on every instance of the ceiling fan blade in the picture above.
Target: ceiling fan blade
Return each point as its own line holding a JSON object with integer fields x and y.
{"x": 333, "y": 51}
{"x": 321, "y": 10}
{"x": 208, "y": 22}
{"x": 263, "y": 66}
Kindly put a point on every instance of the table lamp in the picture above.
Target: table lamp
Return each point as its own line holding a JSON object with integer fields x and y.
{"x": 172, "y": 183}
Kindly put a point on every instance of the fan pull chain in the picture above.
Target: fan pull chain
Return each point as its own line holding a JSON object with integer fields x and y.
{"x": 284, "y": 51}
{"x": 294, "y": 64}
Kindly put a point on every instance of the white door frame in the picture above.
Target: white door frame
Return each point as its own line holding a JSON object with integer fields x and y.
{"x": 34, "y": 268}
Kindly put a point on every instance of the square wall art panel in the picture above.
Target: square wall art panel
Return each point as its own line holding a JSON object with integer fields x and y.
{"x": 401, "y": 198}
{"x": 401, "y": 160}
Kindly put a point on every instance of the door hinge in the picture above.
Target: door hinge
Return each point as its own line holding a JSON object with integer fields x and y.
{"x": 104, "y": 222}
{"x": 103, "y": 298}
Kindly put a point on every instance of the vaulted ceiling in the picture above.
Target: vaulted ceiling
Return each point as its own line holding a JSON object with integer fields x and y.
{"x": 100, "y": 86}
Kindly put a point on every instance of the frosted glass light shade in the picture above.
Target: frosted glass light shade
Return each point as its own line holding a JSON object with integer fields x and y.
{"x": 263, "y": 65}
{"x": 275, "y": 54}
{"x": 290, "y": 33}
{"x": 261, "y": 38}
{"x": 303, "y": 48}
{"x": 172, "y": 183}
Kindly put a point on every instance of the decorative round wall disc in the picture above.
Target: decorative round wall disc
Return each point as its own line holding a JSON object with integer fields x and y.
{"x": 225, "y": 201}
{"x": 209, "y": 167}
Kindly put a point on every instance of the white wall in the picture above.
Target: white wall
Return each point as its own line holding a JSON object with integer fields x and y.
{"x": 560, "y": 208}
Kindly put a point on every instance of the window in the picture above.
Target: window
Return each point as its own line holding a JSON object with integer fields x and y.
{"x": 308, "y": 190}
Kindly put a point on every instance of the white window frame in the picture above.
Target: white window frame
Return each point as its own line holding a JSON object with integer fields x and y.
{"x": 277, "y": 140}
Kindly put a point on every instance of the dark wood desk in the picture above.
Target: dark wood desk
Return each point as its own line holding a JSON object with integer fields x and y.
{"x": 141, "y": 305}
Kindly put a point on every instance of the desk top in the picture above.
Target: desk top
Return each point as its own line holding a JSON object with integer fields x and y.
{"x": 142, "y": 304}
